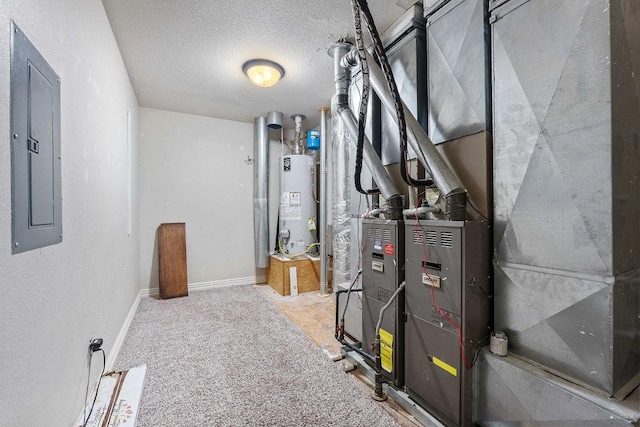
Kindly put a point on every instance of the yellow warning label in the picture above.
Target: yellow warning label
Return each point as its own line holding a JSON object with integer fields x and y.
{"x": 440, "y": 364}
{"x": 386, "y": 350}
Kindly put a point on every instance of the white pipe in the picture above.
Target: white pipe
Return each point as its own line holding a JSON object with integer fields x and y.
{"x": 323, "y": 201}
{"x": 372, "y": 213}
{"x": 443, "y": 176}
{"x": 419, "y": 211}
{"x": 331, "y": 356}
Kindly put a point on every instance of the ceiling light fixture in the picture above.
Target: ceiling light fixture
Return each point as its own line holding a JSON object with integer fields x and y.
{"x": 263, "y": 72}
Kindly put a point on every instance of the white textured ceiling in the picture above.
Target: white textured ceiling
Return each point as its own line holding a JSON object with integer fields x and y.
{"x": 186, "y": 55}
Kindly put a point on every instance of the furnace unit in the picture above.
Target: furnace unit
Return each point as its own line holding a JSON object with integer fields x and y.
{"x": 448, "y": 311}
{"x": 382, "y": 273}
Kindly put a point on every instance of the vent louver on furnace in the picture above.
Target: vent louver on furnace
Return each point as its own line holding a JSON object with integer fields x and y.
{"x": 446, "y": 239}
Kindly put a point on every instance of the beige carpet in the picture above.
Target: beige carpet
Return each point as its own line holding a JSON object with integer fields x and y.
{"x": 228, "y": 357}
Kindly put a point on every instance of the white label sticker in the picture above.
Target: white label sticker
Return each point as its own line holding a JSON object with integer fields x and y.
{"x": 295, "y": 199}
{"x": 377, "y": 266}
{"x": 290, "y": 213}
{"x": 431, "y": 280}
{"x": 293, "y": 281}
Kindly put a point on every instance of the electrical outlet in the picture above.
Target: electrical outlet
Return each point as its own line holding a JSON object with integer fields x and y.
{"x": 95, "y": 344}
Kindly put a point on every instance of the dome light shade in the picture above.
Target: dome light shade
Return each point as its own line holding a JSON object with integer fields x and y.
{"x": 263, "y": 72}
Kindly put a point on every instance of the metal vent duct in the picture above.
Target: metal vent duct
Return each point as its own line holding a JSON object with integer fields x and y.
{"x": 566, "y": 186}
{"x": 261, "y": 191}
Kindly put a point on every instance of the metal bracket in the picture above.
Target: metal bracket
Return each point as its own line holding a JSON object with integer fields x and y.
{"x": 33, "y": 145}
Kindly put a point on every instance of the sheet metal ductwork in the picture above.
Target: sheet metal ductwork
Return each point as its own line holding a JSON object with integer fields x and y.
{"x": 261, "y": 191}
{"x": 443, "y": 177}
{"x": 566, "y": 189}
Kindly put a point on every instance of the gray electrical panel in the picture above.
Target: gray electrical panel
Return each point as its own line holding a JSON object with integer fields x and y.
{"x": 35, "y": 148}
{"x": 382, "y": 273}
{"x": 447, "y": 295}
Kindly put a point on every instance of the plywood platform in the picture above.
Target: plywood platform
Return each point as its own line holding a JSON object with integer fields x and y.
{"x": 307, "y": 272}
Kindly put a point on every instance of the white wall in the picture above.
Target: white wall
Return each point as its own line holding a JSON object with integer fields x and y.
{"x": 192, "y": 170}
{"x": 53, "y": 300}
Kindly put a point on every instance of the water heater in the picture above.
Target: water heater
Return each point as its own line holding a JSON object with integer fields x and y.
{"x": 297, "y": 204}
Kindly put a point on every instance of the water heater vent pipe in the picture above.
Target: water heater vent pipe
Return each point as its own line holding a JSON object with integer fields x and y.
{"x": 323, "y": 201}
{"x": 261, "y": 191}
{"x": 298, "y": 118}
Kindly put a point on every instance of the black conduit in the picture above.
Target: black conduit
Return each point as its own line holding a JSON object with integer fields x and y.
{"x": 393, "y": 88}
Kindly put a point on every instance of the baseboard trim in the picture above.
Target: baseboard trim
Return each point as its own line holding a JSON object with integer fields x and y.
{"x": 202, "y": 286}
{"x": 252, "y": 280}
{"x": 117, "y": 345}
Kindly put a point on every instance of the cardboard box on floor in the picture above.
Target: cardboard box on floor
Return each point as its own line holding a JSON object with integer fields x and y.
{"x": 307, "y": 270}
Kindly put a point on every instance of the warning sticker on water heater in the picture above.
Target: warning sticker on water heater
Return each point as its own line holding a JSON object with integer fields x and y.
{"x": 290, "y": 213}
{"x": 386, "y": 350}
{"x": 295, "y": 199}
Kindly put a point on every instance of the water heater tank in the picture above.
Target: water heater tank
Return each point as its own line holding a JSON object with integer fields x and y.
{"x": 297, "y": 204}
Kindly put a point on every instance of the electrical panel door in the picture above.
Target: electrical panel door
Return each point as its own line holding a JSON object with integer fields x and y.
{"x": 35, "y": 148}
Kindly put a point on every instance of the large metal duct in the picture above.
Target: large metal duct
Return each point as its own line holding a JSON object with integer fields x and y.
{"x": 566, "y": 188}
{"x": 261, "y": 191}
{"x": 458, "y": 69}
{"x": 442, "y": 175}
{"x": 371, "y": 159}
{"x": 508, "y": 391}
{"x": 404, "y": 43}
{"x": 459, "y": 89}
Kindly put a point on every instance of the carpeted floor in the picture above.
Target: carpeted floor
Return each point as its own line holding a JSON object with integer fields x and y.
{"x": 228, "y": 357}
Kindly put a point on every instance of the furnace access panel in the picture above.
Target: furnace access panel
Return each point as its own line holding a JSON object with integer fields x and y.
{"x": 382, "y": 273}
{"x": 447, "y": 293}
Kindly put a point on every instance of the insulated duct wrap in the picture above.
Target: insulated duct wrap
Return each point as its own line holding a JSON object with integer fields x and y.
{"x": 261, "y": 191}
{"x": 443, "y": 176}
{"x": 371, "y": 160}
{"x": 341, "y": 210}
